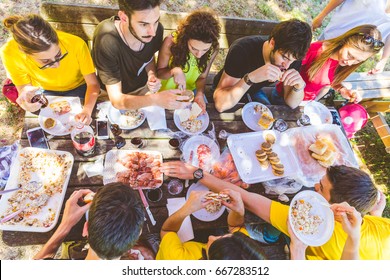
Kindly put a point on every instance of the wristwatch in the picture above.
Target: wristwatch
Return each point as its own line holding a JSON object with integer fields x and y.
{"x": 247, "y": 80}
{"x": 198, "y": 175}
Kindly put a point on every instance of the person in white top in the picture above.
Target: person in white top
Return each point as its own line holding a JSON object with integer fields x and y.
{"x": 351, "y": 13}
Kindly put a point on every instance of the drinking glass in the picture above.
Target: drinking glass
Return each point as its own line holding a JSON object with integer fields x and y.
{"x": 280, "y": 125}
{"x": 174, "y": 143}
{"x": 138, "y": 140}
{"x": 175, "y": 187}
{"x": 154, "y": 195}
{"x": 119, "y": 141}
{"x": 303, "y": 120}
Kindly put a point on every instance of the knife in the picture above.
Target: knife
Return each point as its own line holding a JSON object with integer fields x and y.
{"x": 146, "y": 204}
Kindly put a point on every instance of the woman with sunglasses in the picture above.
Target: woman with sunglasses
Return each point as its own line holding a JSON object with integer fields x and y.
{"x": 186, "y": 55}
{"x": 40, "y": 57}
{"x": 328, "y": 63}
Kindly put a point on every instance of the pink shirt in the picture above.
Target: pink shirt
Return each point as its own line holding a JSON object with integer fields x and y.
{"x": 324, "y": 77}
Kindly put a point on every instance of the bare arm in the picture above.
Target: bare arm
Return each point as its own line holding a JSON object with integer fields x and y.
{"x": 193, "y": 204}
{"x": 257, "y": 204}
{"x": 72, "y": 214}
{"x": 293, "y": 88}
{"x": 25, "y": 93}
{"x": 153, "y": 83}
{"x": 323, "y": 91}
{"x": 163, "y": 70}
{"x": 91, "y": 95}
{"x": 333, "y": 4}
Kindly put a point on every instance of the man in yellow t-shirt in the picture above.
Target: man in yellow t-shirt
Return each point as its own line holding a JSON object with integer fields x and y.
{"x": 37, "y": 56}
{"x": 235, "y": 245}
{"x": 339, "y": 184}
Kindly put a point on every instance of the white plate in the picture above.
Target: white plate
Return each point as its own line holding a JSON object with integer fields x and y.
{"x": 250, "y": 117}
{"x": 55, "y": 201}
{"x": 205, "y": 123}
{"x": 192, "y": 144}
{"x": 112, "y": 166}
{"x": 114, "y": 115}
{"x": 325, "y": 229}
{"x": 318, "y": 113}
{"x": 202, "y": 214}
{"x": 243, "y": 148}
{"x": 64, "y": 123}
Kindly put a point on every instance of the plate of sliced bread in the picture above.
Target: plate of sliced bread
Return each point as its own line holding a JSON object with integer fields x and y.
{"x": 257, "y": 116}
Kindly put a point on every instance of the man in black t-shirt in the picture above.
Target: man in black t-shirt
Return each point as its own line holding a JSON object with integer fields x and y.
{"x": 123, "y": 53}
{"x": 253, "y": 63}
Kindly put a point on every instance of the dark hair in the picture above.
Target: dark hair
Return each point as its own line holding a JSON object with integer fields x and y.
{"x": 131, "y": 6}
{"x": 115, "y": 220}
{"x": 292, "y": 37}
{"x": 201, "y": 25}
{"x": 353, "y": 186}
{"x": 32, "y": 33}
{"x": 352, "y": 38}
{"x": 238, "y": 246}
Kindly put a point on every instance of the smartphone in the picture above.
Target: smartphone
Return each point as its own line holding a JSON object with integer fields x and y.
{"x": 37, "y": 139}
{"x": 102, "y": 129}
{"x": 336, "y": 117}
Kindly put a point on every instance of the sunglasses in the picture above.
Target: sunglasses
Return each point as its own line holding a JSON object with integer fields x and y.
{"x": 119, "y": 141}
{"x": 377, "y": 44}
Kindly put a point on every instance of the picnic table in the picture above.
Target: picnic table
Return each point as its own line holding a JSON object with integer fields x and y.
{"x": 230, "y": 121}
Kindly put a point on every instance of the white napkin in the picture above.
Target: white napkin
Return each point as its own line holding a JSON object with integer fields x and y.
{"x": 185, "y": 232}
{"x": 156, "y": 117}
{"x": 94, "y": 168}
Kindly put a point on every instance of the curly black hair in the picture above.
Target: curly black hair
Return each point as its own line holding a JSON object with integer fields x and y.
{"x": 201, "y": 25}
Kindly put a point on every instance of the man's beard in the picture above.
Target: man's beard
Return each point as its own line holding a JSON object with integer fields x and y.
{"x": 132, "y": 31}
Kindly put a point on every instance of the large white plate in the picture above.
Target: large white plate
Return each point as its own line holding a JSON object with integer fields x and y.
{"x": 114, "y": 115}
{"x": 325, "y": 229}
{"x": 192, "y": 144}
{"x": 205, "y": 123}
{"x": 243, "y": 148}
{"x": 250, "y": 117}
{"x": 318, "y": 113}
{"x": 64, "y": 123}
{"x": 55, "y": 201}
{"x": 112, "y": 166}
{"x": 202, "y": 214}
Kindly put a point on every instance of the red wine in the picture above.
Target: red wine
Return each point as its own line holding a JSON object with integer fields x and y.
{"x": 84, "y": 142}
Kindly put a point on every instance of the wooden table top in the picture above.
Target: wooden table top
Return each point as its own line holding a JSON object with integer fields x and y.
{"x": 230, "y": 121}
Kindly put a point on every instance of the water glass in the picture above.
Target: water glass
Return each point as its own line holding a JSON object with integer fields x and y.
{"x": 154, "y": 195}
{"x": 138, "y": 141}
{"x": 280, "y": 125}
{"x": 175, "y": 187}
{"x": 303, "y": 120}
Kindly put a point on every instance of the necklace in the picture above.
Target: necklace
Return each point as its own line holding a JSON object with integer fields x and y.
{"x": 125, "y": 40}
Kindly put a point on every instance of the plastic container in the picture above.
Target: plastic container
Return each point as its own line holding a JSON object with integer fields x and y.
{"x": 353, "y": 117}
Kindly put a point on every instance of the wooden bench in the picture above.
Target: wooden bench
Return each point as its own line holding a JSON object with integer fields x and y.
{"x": 81, "y": 20}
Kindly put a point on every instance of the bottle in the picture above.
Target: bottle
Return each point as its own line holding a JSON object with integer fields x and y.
{"x": 40, "y": 97}
{"x": 83, "y": 139}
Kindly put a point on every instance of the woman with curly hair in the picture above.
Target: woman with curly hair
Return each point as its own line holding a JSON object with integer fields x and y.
{"x": 186, "y": 55}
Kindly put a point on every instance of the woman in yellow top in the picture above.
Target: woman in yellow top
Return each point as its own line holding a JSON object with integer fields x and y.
{"x": 60, "y": 63}
{"x": 186, "y": 55}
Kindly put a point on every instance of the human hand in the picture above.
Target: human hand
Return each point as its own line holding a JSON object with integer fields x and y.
{"x": 235, "y": 203}
{"x": 83, "y": 117}
{"x": 196, "y": 201}
{"x": 379, "y": 67}
{"x": 24, "y": 99}
{"x": 349, "y": 217}
{"x": 153, "y": 83}
{"x": 297, "y": 247}
{"x": 380, "y": 205}
{"x": 317, "y": 22}
{"x": 169, "y": 99}
{"x": 178, "y": 169}
{"x": 351, "y": 95}
{"x": 267, "y": 72}
{"x": 199, "y": 99}
{"x": 292, "y": 78}
{"x": 179, "y": 78}
{"x": 73, "y": 212}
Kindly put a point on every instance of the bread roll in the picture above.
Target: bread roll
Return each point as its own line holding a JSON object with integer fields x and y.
{"x": 326, "y": 156}
{"x": 319, "y": 147}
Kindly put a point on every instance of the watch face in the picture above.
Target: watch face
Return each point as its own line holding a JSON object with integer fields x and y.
{"x": 198, "y": 174}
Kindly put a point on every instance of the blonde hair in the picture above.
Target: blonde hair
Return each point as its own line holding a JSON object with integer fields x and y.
{"x": 32, "y": 33}
{"x": 353, "y": 38}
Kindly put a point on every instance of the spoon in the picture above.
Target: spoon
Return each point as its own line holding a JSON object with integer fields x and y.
{"x": 31, "y": 186}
